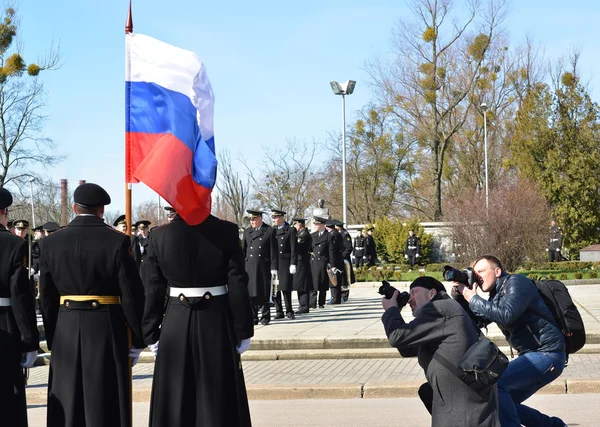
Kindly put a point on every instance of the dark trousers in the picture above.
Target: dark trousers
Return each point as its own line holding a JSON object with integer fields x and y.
{"x": 553, "y": 255}
{"x": 412, "y": 259}
{"x": 265, "y": 312}
{"x": 287, "y": 297}
{"x": 358, "y": 261}
{"x": 303, "y": 301}
{"x": 371, "y": 261}
{"x": 336, "y": 291}
{"x": 313, "y": 298}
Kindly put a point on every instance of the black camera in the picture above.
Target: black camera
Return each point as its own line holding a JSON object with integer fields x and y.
{"x": 467, "y": 277}
{"x": 388, "y": 290}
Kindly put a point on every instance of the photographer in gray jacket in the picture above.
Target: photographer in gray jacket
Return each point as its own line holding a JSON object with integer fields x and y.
{"x": 440, "y": 326}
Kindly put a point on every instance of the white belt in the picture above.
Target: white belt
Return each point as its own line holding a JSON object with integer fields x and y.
{"x": 554, "y": 240}
{"x": 198, "y": 292}
{"x": 5, "y": 302}
{"x": 412, "y": 247}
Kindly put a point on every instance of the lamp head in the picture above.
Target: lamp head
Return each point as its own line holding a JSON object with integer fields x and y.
{"x": 336, "y": 87}
{"x": 483, "y": 106}
{"x": 31, "y": 179}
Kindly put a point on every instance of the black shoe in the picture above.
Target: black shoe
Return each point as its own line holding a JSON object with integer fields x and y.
{"x": 256, "y": 321}
{"x": 301, "y": 312}
{"x": 321, "y": 306}
{"x": 312, "y": 307}
{"x": 290, "y": 316}
{"x": 279, "y": 316}
{"x": 264, "y": 322}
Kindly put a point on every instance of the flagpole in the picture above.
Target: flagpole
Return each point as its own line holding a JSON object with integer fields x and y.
{"x": 128, "y": 30}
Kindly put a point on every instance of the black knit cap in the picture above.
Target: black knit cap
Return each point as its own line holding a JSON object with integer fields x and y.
{"x": 428, "y": 282}
{"x": 6, "y": 198}
{"x": 90, "y": 195}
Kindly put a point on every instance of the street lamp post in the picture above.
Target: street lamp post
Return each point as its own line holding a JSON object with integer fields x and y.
{"x": 32, "y": 205}
{"x": 344, "y": 89}
{"x": 484, "y": 107}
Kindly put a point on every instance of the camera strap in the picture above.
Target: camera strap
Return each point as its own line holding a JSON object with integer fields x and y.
{"x": 462, "y": 375}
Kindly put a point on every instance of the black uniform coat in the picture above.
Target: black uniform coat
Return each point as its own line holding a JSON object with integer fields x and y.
{"x": 359, "y": 245}
{"x": 370, "y": 249}
{"x": 303, "y": 279}
{"x": 413, "y": 246}
{"x": 142, "y": 243}
{"x": 336, "y": 248}
{"x": 347, "y": 254}
{"x": 319, "y": 260}
{"x": 18, "y": 328}
{"x": 135, "y": 248}
{"x": 198, "y": 378}
{"x": 89, "y": 380}
{"x": 287, "y": 252}
{"x": 260, "y": 253}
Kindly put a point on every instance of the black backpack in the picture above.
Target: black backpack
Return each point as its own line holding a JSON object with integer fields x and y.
{"x": 566, "y": 316}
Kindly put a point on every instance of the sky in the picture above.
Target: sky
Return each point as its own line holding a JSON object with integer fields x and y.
{"x": 269, "y": 62}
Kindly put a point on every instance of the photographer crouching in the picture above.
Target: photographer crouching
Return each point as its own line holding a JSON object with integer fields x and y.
{"x": 521, "y": 314}
{"x": 441, "y": 327}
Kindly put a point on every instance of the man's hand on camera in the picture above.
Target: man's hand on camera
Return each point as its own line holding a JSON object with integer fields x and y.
{"x": 392, "y": 302}
{"x": 465, "y": 291}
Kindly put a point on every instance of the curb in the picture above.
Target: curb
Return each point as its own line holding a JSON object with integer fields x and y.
{"x": 39, "y": 395}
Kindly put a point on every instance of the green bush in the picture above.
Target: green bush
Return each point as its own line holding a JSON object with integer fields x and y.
{"x": 532, "y": 276}
{"x": 579, "y": 275}
{"x": 593, "y": 274}
{"x": 563, "y": 276}
{"x": 552, "y": 276}
{"x": 377, "y": 275}
{"x": 397, "y": 276}
{"x": 390, "y": 240}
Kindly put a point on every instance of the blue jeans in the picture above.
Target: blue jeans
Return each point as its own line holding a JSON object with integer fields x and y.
{"x": 522, "y": 378}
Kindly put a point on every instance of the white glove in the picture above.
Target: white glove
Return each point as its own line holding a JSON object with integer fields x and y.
{"x": 417, "y": 255}
{"x": 292, "y": 269}
{"x": 274, "y": 274}
{"x": 141, "y": 250}
{"x": 405, "y": 256}
{"x": 335, "y": 270}
{"x": 243, "y": 346}
{"x": 557, "y": 249}
{"x": 154, "y": 349}
{"x": 36, "y": 277}
{"x": 29, "y": 359}
{"x": 546, "y": 249}
{"x": 134, "y": 353}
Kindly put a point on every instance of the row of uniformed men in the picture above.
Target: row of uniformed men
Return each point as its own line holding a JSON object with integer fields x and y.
{"x": 283, "y": 258}
{"x": 191, "y": 295}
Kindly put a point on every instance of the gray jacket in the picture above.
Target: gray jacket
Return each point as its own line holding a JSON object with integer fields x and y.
{"x": 443, "y": 326}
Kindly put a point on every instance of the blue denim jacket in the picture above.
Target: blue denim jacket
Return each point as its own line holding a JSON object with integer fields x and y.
{"x": 521, "y": 314}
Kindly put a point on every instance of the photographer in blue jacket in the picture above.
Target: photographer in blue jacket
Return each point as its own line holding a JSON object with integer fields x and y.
{"x": 517, "y": 308}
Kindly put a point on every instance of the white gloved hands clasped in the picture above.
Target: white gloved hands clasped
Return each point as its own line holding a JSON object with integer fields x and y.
{"x": 405, "y": 256}
{"x": 243, "y": 345}
{"x": 292, "y": 269}
{"x": 29, "y": 359}
{"x": 417, "y": 255}
{"x": 274, "y": 274}
{"x": 154, "y": 349}
{"x": 134, "y": 354}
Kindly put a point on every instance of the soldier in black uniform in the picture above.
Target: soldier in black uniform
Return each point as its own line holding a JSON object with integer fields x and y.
{"x": 370, "y": 248}
{"x": 302, "y": 278}
{"x": 318, "y": 263}
{"x": 555, "y": 242}
{"x": 412, "y": 251}
{"x": 120, "y": 224}
{"x": 336, "y": 261}
{"x": 142, "y": 239}
{"x": 170, "y": 213}
{"x": 260, "y": 252}
{"x": 21, "y": 228}
{"x": 91, "y": 294}
{"x": 287, "y": 252}
{"x": 347, "y": 255}
{"x": 206, "y": 325}
{"x": 19, "y": 338}
{"x": 359, "y": 249}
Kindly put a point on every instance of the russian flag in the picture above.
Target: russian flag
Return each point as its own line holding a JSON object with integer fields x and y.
{"x": 169, "y": 125}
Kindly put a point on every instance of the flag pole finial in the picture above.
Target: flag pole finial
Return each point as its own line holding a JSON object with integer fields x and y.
{"x": 129, "y": 23}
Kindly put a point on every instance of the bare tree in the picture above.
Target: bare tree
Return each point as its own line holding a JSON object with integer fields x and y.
{"x": 286, "y": 178}
{"x": 233, "y": 190}
{"x": 515, "y": 227}
{"x": 22, "y": 144}
{"x": 438, "y": 57}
